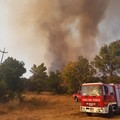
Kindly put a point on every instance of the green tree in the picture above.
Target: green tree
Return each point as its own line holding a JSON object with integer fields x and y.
{"x": 54, "y": 83}
{"x": 108, "y": 60}
{"x": 76, "y": 73}
{"x": 11, "y": 71}
{"x": 3, "y": 91}
{"x": 38, "y": 78}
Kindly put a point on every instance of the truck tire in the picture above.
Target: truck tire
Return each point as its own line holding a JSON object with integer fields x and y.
{"x": 117, "y": 110}
{"x": 110, "y": 113}
{"x": 89, "y": 114}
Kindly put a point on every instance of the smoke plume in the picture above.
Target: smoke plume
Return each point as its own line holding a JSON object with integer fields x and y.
{"x": 89, "y": 13}
{"x": 64, "y": 29}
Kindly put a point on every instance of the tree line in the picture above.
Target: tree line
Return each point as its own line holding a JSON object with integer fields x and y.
{"x": 105, "y": 67}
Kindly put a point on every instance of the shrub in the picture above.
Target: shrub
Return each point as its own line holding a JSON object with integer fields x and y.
{"x": 3, "y": 91}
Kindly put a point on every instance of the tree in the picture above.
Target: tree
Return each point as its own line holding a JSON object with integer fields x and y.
{"x": 69, "y": 76}
{"x": 11, "y": 71}
{"x": 76, "y": 73}
{"x": 38, "y": 78}
{"x": 108, "y": 60}
{"x": 54, "y": 83}
{"x": 3, "y": 91}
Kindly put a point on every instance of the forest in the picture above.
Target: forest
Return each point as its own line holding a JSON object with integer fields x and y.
{"x": 105, "y": 67}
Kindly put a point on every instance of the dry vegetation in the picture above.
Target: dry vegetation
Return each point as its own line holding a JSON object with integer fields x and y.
{"x": 45, "y": 107}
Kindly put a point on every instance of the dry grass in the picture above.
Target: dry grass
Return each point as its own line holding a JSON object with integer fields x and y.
{"x": 45, "y": 107}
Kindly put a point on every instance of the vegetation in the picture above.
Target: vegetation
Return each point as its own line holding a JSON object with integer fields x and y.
{"x": 38, "y": 79}
{"x": 108, "y": 61}
{"x": 55, "y": 83}
{"x": 76, "y": 73}
{"x": 46, "y": 107}
{"x": 105, "y": 67}
{"x": 11, "y": 85}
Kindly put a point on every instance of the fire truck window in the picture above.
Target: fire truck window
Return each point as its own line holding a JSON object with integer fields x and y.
{"x": 92, "y": 90}
{"x": 106, "y": 90}
{"x": 111, "y": 90}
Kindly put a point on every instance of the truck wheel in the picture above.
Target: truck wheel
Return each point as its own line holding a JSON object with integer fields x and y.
{"x": 117, "y": 109}
{"x": 89, "y": 114}
{"x": 110, "y": 113}
{"x": 76, "y": 99}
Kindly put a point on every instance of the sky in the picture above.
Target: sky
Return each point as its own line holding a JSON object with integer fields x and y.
{"x": 56, "y": 31}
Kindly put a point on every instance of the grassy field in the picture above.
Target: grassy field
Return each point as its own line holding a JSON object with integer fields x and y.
{"x": 46, "y": 107}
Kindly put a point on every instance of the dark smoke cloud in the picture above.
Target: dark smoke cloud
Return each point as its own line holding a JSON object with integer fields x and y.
{"x": 93, "y": 13}
{"x": 90, "y": 14}
{"x": 68, "y": 27}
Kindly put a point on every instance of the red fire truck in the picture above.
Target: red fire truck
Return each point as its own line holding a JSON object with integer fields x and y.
{"x": 100, "y": 98}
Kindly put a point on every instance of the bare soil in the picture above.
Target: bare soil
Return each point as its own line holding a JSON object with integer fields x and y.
{"x": 46, "y": 107}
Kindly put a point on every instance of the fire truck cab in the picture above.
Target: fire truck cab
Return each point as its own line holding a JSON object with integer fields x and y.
{"x": 100, "y": 98}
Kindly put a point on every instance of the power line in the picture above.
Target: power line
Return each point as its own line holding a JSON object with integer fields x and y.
{"x": 3, "y": 52}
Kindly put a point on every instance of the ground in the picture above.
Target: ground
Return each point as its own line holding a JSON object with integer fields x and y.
{"x": 46, "y": 107}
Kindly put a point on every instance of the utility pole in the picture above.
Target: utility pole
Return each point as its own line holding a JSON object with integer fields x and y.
{"x": 3, "y": 52}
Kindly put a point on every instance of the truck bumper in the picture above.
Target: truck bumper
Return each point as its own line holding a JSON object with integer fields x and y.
{"x": 102, "y": 110}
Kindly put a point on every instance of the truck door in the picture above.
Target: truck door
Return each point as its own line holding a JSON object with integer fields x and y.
{"x": 112, "y": 93}
{"x": 105, "y": 93}
{"x": 117, "y": 89}
{"x": 109, "y": 94}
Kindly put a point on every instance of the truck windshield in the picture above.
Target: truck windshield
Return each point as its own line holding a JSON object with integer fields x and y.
{"x": 91, "y": 90}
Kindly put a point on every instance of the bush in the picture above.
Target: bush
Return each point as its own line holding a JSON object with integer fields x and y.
{"x": 3, "y": 91}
